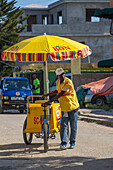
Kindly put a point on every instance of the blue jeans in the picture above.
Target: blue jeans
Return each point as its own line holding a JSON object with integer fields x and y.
{"x": 71, "y": 116}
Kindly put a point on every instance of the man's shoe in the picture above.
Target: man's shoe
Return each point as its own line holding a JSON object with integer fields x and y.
{"x": 72, "y": 146}
{"x": 63, "y": 147}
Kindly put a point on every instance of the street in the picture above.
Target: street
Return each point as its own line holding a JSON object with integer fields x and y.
{"x": 94, "y": 148}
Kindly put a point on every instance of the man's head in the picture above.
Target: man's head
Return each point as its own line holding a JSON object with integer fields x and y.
{"x": 60, "y": 73}
{"x": 34, "y": 76}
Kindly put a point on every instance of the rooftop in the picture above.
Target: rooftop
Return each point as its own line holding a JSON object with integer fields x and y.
{"x": 34, "y": 6}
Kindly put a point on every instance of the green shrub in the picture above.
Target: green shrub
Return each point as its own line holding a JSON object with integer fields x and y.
{"x": 105, "y": 107}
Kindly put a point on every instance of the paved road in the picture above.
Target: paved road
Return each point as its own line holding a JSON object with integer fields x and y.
{"x": 94, "y": 148}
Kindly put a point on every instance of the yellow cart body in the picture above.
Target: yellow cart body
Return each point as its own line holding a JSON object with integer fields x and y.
{"x": 35, "y": 117}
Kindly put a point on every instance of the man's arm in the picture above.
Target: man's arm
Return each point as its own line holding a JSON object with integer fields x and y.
{"x": 37, "y": 87}
{"x": 38, "y": 84}
{"x": 55, "y": 98}
{"x": 50, "y": 94}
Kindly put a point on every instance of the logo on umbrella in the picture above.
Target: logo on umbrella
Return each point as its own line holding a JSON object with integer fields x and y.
{"x": 59, "y": 48}
{"x": 14, "y": 48}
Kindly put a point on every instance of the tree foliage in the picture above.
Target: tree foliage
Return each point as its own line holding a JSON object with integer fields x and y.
{"x": 10, "y": 26}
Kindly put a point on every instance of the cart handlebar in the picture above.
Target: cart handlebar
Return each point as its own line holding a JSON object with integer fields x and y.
{"x": 31, "y": 97}
{"x": 43, "y": 105}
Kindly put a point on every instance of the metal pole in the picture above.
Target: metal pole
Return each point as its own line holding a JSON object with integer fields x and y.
{"x": 89, "y": 61}
{"x": 46, "y": 81}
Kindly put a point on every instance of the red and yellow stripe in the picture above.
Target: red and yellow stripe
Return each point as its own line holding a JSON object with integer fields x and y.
{"x": 8, "y": 56}
{"x": 56, "y": 56}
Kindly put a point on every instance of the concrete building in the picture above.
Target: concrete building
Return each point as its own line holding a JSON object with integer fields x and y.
{"x": 73, "y": 19}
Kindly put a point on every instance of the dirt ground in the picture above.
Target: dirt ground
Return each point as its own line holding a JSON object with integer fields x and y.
{"x": 93, "y": 151}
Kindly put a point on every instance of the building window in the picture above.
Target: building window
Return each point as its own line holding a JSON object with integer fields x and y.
{"x": 90, "y": 15}
{"x": 44, "y": 20}
{"x": 51, "y": 19}
{"x": 59, "y": 17}
{"x": 31, "y": 20}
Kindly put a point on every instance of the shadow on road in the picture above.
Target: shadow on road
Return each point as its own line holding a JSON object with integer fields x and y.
{"x": 45, "y": 161}
{"x": 18, "y": 148}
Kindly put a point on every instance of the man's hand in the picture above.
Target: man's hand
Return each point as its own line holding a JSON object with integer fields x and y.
{"x": 47, "y": 103}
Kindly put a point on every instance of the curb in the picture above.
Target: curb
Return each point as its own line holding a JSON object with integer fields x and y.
{"x": 104, "y": 120}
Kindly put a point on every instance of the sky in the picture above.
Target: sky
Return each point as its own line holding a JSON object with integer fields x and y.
{"x": 22, "y": 3}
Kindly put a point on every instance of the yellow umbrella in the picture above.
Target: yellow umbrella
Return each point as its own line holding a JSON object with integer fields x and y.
{"x": 40, "y": 47}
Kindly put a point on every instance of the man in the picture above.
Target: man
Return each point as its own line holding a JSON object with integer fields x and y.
{"x": 69, "y": 107}
{"x": 36, "y": 86}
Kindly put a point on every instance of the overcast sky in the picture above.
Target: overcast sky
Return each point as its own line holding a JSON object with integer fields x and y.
{"x": 22, "y": 3}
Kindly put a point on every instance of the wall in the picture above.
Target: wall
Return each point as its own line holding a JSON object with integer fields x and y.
{"x": 37, "y": 12}
{"x": 112, "y": 51}
{"x": 94, "y": 34}
{"x": 56, "y": 9}
{"x": 101, "y": 46}
{"x": 77, "y": 19}
{"x": 111, "y": 3}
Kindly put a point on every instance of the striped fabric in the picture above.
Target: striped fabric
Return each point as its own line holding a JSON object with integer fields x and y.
{"x": 71, "y": 89}
{"x": 84, "y": 52}
{"x": 32, "y": 56}
{"x": 56, "y": 56}
{"x": 24, "y": 56}
{"x": 67, "y": 93}
{"x": 8, "y": 56}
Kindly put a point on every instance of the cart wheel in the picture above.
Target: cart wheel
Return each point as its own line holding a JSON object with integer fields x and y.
{"x": 45, "y": 138}
{"x": 27, "y": 136}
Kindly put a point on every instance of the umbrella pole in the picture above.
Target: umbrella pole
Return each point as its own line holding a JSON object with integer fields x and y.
{"x": 46, "y": 81}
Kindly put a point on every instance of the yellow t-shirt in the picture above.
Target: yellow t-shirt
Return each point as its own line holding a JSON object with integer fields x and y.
{"x": 68, "y": 101}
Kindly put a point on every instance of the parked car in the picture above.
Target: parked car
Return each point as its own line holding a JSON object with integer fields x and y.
{"x": 13, "y": 93}
{"x": 94, "y": 99}
{"x": 99, "y": 92}
{"x": 97, "y": 99}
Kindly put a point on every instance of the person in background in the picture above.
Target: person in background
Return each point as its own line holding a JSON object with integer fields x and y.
{"x": 69, "y": 107}
{"x": 36, "y": 87}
